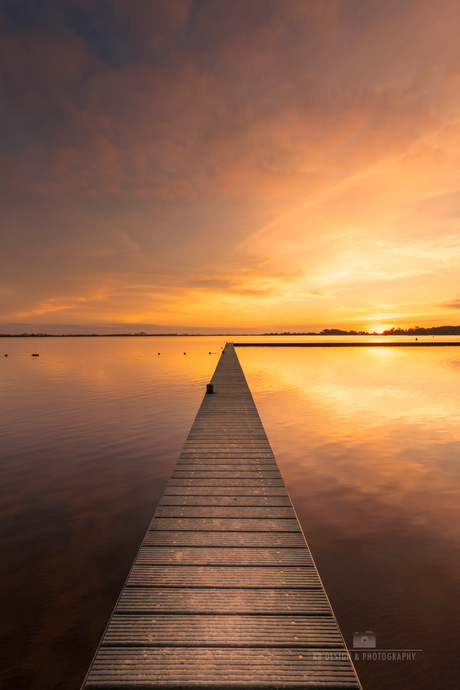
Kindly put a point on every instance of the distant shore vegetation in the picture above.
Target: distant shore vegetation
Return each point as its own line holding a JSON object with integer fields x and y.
{"x": 416, "y": 330}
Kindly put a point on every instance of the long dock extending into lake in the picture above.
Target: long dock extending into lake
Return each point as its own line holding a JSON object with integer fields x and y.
{"x": 224, "y": 592}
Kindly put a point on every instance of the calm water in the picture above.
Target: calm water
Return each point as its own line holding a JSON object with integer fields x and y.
{"x": 368, "y": 443}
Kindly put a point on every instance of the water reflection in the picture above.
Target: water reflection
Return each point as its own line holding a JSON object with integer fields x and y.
{"x": 368, "y": 443}
{"x": 367, "y": 440}
{"x": 90, "y": 432}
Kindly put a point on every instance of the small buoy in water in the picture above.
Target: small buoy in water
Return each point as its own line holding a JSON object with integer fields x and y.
{"x": 185, "y": 353}
{"x": 158, "y": 353}
{"x": 35, "y": 355}
{"x": 6, "y": 355}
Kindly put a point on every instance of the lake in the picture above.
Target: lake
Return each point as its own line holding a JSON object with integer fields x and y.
{"x": 367, "y": 441}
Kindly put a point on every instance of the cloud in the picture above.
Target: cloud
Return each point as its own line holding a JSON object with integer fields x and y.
{"x": 451, "y": 304}
{"x": 279, "y": 156}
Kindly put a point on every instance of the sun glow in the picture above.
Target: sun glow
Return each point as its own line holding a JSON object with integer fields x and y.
{"x": 378, "y": 328}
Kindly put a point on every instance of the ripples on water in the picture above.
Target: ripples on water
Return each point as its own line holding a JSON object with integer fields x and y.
{"x": 367, "y": 441}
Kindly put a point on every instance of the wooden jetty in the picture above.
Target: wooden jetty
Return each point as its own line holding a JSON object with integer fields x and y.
{"x": 224, "y": 592}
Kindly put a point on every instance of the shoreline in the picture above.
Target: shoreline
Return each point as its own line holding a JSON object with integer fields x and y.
{"x": 393, "y": 343}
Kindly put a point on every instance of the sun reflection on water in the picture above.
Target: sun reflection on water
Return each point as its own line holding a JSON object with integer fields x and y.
{"x": 368, "y": 442}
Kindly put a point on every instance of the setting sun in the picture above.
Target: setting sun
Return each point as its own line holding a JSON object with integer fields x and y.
{"x": 378, "y": 328}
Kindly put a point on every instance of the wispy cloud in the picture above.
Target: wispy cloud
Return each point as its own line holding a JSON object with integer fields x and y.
{"x": 451, "y": 304}
{"x": 182, "y": 160}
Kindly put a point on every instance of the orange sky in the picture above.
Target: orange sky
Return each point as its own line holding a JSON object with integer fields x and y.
{"x": 250, "y": 165}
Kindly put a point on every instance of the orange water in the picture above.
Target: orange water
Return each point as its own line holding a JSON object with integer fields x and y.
{"x": 368, "y": 443}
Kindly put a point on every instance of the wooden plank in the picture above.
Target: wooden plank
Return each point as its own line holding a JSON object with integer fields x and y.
{"x": 234, "y": 428}
{"x": 204, "y": 490}
{"x": 224, "y": 600}
{"x": 255, "y": 437}
{"x": 232, "y": 462}
{"x": 221, "y": 445}
{"x": 225, "y": 539}
{"x": 183, "y": 555}
{"x": 225, "y": 525}
{"x": 234, "y": 474}
{"x": 272, "y": 501}
{"x": 251, "y": 669}
{"x": 223, "y": 631}
{"x": 213, "y": 454}
{"x": 224, "y": 456}
{"x": 204, "y": 444}
{"x": 260, "y": 483}
{"x": 230, "y": 465}
{"x": 224, "y": 592}
{"x": 240, "y": 512}
{"x": 259, "y": 577}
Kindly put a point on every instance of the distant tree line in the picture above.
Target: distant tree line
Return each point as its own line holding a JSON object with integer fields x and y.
{"x": 82, "y": 335}
{"x": 326, "y": 331}
{"x": 419, "y": 330}
{"x": 416, "y": 330}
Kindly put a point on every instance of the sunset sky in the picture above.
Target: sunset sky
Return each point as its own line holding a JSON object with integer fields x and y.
{"x": 249, "y": 165}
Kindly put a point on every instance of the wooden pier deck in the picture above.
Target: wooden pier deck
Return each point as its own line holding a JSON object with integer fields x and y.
{"x": 224, "y": 592}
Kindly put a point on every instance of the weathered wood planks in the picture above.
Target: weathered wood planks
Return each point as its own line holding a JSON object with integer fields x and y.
{"x": 224, "y": 592}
